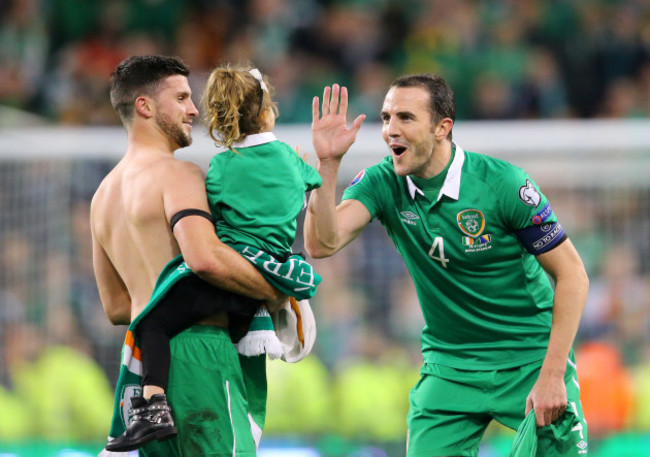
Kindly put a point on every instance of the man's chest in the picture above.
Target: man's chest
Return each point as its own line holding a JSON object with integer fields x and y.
{"x": 469, "y": 233}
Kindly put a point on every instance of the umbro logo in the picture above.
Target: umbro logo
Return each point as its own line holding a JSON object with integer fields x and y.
{"x": 409, "y": 217}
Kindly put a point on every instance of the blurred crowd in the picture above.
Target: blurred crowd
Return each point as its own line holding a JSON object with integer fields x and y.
{"x": 506, "y": 59}
{"x": 516, "y": 59}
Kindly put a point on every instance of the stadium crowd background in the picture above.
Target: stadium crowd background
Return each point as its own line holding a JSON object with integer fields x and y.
{"x": 516, "y": 59}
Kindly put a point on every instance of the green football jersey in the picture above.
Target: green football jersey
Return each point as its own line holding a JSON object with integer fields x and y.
{"x": 470, "y": 247}
{"x": 257, "y": 191}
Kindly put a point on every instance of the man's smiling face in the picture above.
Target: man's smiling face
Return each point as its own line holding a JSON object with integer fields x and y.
{"x": 408, "y": 130}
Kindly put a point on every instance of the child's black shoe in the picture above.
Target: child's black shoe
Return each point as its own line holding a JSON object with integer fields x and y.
{"x": 152, "y": 420}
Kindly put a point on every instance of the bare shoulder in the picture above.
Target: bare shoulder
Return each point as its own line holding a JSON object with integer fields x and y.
{"x": 154, "y": 171}
{"x": 176, "y": 175}
{"x": 161, "y": 176}
{"x": 181, "y": 168}
{"x": 184, "y": 186}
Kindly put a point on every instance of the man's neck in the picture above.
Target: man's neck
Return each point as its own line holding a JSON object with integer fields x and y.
{"x": 439, "y": 160}
{"x": 152, "y": 141}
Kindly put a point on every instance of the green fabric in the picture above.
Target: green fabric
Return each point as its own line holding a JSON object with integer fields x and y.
{"x": 208, "y": 396}
{"x": 254, "y": 371}
{"x": 450, "y": 409}
{"x": 525, "y": 442}
{"x": 566, "y": 437}
{"x": 486, "y": 301}
{"x": 261, "y": 323}
{"x": 295, "y": 277}
{"x": 256, "y": 194}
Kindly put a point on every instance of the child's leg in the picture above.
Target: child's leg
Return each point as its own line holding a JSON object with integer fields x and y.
{"x": 154, "y": 332}
{"x": 187, "y": 302}
{"x": 168, "y": 318}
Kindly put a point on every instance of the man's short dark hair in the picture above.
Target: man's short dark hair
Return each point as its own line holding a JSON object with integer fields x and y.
{"x": 140, "y": 75}
{"x": 442, "y": 103}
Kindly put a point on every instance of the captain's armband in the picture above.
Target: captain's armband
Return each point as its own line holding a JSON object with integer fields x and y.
{"x": 538, "y": 239}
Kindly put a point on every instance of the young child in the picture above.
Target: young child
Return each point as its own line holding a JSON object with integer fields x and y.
{"x": 256, "y": 189}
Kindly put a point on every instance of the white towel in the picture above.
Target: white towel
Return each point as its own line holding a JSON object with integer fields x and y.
{"x": 295, "y": 327}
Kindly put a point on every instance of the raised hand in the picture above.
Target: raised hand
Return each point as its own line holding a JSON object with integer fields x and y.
{"x": 330, "y": 133}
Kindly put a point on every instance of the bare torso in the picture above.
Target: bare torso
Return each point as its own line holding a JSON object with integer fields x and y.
{"x": 130, "y": 222}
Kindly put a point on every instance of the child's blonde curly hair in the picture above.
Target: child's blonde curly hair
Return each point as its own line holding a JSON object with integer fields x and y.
{"x": 234, "y": 102}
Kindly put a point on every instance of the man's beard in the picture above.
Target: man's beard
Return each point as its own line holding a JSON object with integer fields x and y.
{"x": 174, "y": 131}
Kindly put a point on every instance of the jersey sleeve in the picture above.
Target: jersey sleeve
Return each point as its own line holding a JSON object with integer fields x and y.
{"x": 309, "y": 174}
{"x": 363, "y": 189}
{"x": 528, "y": 213}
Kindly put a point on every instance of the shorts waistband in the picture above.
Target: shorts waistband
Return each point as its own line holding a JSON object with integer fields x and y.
{"x": 208, "y": 329}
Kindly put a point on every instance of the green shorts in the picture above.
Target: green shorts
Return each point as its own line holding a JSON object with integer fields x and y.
{"x": 208, "y": 398}
{"x": 450, "y": 410}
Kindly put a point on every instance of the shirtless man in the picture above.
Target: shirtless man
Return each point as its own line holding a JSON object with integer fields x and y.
{"x": 134, "y": 250}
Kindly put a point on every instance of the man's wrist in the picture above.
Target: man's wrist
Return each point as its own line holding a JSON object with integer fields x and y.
{"x": 328, "y": 168}
{"x": 553, "y": 368}
{"x": 330, "y": 161}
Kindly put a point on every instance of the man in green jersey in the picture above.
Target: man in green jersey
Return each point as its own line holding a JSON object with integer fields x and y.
{"x": 478, "y": 238}
{"x": 147, "y": 211}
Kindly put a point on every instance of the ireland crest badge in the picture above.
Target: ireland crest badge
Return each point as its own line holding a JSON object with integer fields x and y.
{"x": 471, "y": 222}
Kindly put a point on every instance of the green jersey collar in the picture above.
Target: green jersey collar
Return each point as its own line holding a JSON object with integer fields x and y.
{"x": 255, "y": 140}
{"x": 451, "y": 186}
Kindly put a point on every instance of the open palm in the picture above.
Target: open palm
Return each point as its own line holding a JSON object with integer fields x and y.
{"x": 330, "y": 134}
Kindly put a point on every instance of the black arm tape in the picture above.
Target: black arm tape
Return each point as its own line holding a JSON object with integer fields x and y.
{"x": 189, "y": 212}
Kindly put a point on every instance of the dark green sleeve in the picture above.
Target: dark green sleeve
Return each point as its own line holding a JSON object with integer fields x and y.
{"x": 364, "y": 189}
{"x": 309, "y": 174}
{"x": 521, "y": 199}
{"x": 528, "y": 213}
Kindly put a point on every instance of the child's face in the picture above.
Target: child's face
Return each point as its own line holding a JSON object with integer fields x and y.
{"x": 268, "y": 117}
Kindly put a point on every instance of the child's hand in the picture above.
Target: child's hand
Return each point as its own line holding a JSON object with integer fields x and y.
{"x": 277, "y": 304}
{"x": 303, "y": 156}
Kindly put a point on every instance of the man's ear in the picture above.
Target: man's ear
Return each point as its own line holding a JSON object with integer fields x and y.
{"x": 143, "y": 107}
{"x": 443, "y": 128}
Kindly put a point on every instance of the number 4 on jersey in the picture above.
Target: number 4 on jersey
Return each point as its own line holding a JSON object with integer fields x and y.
{"x": 438, "y": 247}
